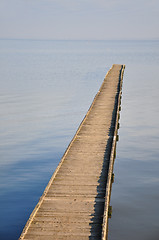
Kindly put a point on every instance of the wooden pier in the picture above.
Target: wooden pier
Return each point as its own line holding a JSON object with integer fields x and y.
{"x": 75, "y": 202}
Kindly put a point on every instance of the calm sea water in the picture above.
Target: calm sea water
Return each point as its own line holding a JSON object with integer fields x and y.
{"x": 46, "y": 89}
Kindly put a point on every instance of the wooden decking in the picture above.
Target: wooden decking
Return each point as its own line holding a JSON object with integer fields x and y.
{"x": 77, "y": 196}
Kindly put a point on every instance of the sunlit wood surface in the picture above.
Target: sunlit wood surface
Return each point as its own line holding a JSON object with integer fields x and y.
{"x": 73, "y": 202}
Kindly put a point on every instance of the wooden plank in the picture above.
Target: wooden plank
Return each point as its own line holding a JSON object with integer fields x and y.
{"x": 77, "y": 196}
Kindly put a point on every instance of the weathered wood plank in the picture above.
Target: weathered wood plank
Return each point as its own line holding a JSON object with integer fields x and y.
{"x": 73, "y": 203}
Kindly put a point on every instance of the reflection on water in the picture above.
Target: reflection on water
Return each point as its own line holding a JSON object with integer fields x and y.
{"x": 135, "y": 190}
{"x": 46, "y": 89}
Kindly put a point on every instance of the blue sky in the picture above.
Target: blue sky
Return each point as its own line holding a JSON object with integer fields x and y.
{"x": 82, "y": 19}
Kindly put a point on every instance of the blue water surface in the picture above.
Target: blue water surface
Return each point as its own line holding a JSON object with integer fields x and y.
{"x": 46, "y": 90}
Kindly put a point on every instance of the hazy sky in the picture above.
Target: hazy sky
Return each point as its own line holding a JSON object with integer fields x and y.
{"x": 81, "y": 19}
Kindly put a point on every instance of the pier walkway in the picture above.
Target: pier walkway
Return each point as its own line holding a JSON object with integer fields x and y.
{"x": 74, "y": 205}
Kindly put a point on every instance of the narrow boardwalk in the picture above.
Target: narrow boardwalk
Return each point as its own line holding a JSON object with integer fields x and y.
{"x": 73, "y": 203}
